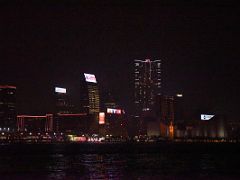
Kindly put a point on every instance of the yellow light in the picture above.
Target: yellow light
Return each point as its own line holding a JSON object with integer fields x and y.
{"x": 171, "y": 131}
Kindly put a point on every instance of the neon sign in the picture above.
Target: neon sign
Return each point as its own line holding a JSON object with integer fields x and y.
{"x": 101, "y": 118}
{"x": 60, "y": 90}
{"x": 90, "y": 78}
{"x": 114, "y": 111}
{"x": 206, "y": 117}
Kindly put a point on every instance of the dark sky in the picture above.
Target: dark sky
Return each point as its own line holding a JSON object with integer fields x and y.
{"x": 43, "y": 45}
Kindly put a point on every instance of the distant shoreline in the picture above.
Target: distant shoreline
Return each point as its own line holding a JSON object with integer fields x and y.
{"x": 121, "y": 148}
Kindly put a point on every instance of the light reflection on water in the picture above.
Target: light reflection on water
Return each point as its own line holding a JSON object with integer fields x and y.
{"x": 119, "y": 166}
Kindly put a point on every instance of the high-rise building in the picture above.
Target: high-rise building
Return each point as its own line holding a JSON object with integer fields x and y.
{"x": 61, "y": 101}
{"x": 179, "y": 109}
{"x": 7, "y": 108}
{"x": 90, "y": 94}
{"x": 116, "y": 122}
{"x": 165, "y": 111}
{"x": 108, "y": 101}
{"x": 90, "y": 101}
{"x": 147, "y": 82}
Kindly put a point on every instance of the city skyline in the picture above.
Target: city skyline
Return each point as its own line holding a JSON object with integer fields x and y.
{"x": 45, "y": 47}
{"x": 119, "y": 89}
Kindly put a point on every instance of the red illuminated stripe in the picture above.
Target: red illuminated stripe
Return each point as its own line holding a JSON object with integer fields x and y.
{"x": 80, "y": 114}
{"x": 29, "y": 116}
{"x": 7, "y": 86}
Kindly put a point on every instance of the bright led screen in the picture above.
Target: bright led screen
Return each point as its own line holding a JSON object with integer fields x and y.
{"x": 206, "y": 117}
{"x": 114, "y": 111}
{"x": 90, "y": 78}
{"x": 101, "y": 118}
{"x": 60, "y": 90}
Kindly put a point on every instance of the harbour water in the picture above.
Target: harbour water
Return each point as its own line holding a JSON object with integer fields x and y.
{"x": 119, "y": 161}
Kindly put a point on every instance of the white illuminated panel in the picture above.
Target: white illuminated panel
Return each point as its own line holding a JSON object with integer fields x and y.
{"x": 179, "y": 95}
{"x": 90, "y": 78}
{"x": 114, "y": 111}
{"x": 206, "y": 117}
{"x": 60, "y": 90}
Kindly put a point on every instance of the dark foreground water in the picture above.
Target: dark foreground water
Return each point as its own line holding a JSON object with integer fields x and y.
{"x": 124, "y": 161}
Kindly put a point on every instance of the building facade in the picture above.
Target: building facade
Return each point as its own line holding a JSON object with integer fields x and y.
{"x": 61, "y": 100}
{"x": 69, "y": 117}
{"x": 35, "y": 124}
{"x": 200, "y": 128}
{"x": 90, "y": 100}
{"x": 165, "y": 112}
{"x": 147, "y": 84}
{"x": 7, "y": 108}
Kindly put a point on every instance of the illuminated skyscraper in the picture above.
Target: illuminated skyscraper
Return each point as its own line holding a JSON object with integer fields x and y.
{"x": 147, "y": 84}
{"x": 90, "y": 101}
{"x": 7, "y": 108}
{"x": 90, "y": 94}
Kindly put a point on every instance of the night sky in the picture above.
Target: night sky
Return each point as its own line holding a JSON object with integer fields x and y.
{"x": 51, "y": 44}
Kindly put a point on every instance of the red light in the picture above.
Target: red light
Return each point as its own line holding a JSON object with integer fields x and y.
{"x": 79, "y": 139}
{"x": 7, "y": 86}
{"x": 80, "y": 114}
{"x": 101, "y": 118}
{"x": 29, "y": 116}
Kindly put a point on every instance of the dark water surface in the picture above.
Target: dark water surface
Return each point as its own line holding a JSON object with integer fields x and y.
{"x": 126, "y": 161}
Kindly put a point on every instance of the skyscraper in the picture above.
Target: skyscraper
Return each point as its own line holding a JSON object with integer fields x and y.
{"x": 7, "y": 108}
{"x": 147, "y": 84}
{"x": 90, "y": 101}
{"x": 90, "y": 94}
{"x": 165, "y": 111}
{"x": 61, "y": 103}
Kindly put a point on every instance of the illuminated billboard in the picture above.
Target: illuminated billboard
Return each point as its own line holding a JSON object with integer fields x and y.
{"x": 101, "y": 118}
{"x": 114, "y": 111}
{"x": 179, "y": 95}
{"x": 60, "y": 90}
{"x": 206, "y": 117}
{"x": 90, "y": 78}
